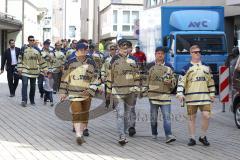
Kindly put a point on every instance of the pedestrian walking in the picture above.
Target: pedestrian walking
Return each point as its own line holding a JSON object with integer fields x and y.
{"x": 59, "y": 60}
{"x": 10, "y": 60}
{"x": 160, "y": 83}
{"x": 79, "y": 83}
{"x": 48, "y": 88}
{"x": 196, "y": 90}
{"x": 124, "y": 82}
{"x": 47, "y": 56}
{"x": 29, "y": 65}
{"x": 105, "y": 75}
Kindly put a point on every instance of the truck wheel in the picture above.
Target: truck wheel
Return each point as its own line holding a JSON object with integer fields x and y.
{"x": 237, "y": 116}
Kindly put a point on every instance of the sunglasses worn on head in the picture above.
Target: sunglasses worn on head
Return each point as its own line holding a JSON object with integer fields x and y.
{"x": 196, "y": 52}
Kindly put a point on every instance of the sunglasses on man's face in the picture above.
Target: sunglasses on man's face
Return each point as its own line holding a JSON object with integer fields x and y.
{"x": 31, "y": 40}
{"x": 196, "y": 52}
{"x": 112, "y": 49}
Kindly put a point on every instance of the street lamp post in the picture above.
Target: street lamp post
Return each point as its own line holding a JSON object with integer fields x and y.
{"x": 23, "y": 8}
{"x": 6, "y": 6}
{"x": 65, "y": 19}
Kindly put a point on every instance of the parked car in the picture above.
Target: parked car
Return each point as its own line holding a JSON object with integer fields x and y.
{"x": 235, "y": 84}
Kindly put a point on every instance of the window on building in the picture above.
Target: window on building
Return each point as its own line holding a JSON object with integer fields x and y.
{"x": 135, "y": 16}
{"x": 126, "y": 28}
{"x": 126, "y": 17}
{"x": 115, "y": 16}
{"x": 153, "y": 3}
{"x": 115, "y": 19}
{"x": 72, "y": 31}
{"x": 115, "y": 28}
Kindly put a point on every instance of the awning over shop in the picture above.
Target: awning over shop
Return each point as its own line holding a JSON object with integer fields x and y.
{"x": 8, "y": 22}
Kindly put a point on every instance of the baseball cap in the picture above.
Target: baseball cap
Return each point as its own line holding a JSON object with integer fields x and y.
{"x": 46, "y": 42}
{"x": 160, "y": 48}
{"x": 81, "y": 46}
{"x": 123, "y": 41}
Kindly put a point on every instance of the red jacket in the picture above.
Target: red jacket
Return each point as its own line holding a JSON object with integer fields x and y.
{"x": 140, "y": 56}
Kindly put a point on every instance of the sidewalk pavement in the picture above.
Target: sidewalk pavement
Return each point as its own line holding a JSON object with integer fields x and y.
{"x": 36, "y": 133}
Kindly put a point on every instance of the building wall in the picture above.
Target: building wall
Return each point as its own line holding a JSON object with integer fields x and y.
{"x": 229, "y": 10}
{"x": 15, "y": 9}
{"x": 110, "y": 29}
{"x": 96, "y": 22}
{"x": 32, "y": 26}
{"x": 104, "y": 3}
{"x": 91, "y": 15}
{"x": 84, "y": 18}
{"x": 232, "y": 2}
{"x": 128, "y": 2}
{"x": 89, "y": 19}
{"x": 2, "y": 6}
{"x": 73, "y": 19}
{"x": 58, "y": 20}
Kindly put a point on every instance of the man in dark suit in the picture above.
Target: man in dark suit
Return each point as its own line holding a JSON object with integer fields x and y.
{"x": 10, "y": 59}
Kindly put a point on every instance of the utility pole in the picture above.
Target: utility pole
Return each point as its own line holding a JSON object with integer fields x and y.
{"x": 65, "y": 19}
{"x": 23, "y": 8}
{"x": 6, "y": 6}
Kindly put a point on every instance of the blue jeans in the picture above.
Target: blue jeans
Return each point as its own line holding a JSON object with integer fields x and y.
{"x": 126, "y": 116}
{"x": 57, "y": 80}
{"x": 40, "y": 84}
{"x": 48, "y": 96}
{"x": 25, "y": 87}
{"x": 166, "y": 113}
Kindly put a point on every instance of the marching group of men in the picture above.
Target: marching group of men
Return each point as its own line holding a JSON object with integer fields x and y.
{"x": 79, "y": 73}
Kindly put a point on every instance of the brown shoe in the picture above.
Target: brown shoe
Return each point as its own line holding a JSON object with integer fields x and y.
{"x": 80, "y": 140}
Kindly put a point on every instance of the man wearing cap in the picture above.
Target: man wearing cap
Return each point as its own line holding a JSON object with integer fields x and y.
{"x": 48, "y": 56}
{"x": 58, "y": 63}
{"x": 132, "y": 114}
{"x": 105, "y": 73}
{"x": 30, "y": 62}
{"x": 65, "y": 47}
{"x": 72, "y": 49}
{"x": 97, "y": 56}
{"x": 124, "y": 78}
{"x": 69, "y": 60}
{"x": 73, "y": 54}
{"x": 79, "y": 83}
{"x": 160, "y": 83}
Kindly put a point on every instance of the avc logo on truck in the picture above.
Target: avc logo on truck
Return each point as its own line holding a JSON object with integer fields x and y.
{"x": 198, "y": 24}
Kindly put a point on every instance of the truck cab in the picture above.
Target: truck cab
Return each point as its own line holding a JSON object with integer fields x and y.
{"x": 213, "y": 47}
{"x": 177, "y": 28}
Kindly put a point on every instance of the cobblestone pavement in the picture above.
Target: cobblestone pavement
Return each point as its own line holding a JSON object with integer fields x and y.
{"x": 35, "y": 132}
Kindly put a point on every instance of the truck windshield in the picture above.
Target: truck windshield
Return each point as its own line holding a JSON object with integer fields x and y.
{"x": 210, "y": 44}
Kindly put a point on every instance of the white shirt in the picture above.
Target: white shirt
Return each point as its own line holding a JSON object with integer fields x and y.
{"x": 13, "y": 56}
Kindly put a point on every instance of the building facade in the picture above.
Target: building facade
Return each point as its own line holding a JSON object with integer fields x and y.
{"x": 66, "y": 21}
{"x": 90, "y": 19}
{"x": 119, "y": 19}
{"x": 21, "y": 18}
{"x": 9, "y": 25}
